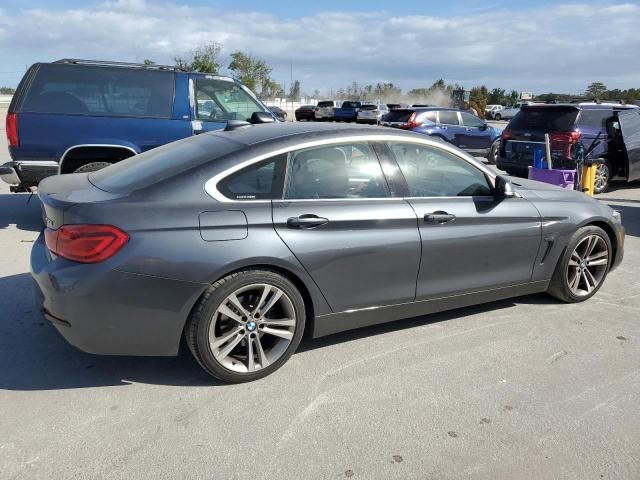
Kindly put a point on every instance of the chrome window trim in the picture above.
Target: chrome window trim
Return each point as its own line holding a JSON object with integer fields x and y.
{"x": 106, "y": 145}
{"x": 210, "y": 186}
{"x": 36, "y": 163}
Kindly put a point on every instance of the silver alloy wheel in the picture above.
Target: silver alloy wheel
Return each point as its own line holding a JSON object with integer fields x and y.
{"x": 587, "y": 265}
{"x": 602, "y": 177}
{"x": 252, "y": 328}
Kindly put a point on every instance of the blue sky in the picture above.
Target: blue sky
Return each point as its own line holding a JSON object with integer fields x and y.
{"x": 541, "y": 46}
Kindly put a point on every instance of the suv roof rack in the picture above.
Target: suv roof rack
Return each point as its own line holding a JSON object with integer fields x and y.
{"x": 107, "y": 63}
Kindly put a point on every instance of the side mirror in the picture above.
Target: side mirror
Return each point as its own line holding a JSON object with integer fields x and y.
{"x": 261, "y": 117}
{"x": 504, "y": 188}
{"x": 484, "y": 126}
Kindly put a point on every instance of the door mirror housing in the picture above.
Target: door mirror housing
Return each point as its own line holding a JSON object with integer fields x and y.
{"x": 484, "y": 126}
{"x": 261, "y": 117}
{"x": 504, "y": 188}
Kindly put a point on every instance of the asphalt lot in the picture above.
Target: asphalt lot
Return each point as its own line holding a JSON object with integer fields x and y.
{"x": 518, "y": 389}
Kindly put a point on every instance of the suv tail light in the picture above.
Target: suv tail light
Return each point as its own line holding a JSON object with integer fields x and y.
{"x": 506, "y": 134}
{"x": 411, "y": 122}
{"x": 12, "y": 130}
{"x": 85, "y": 243}
{"x": 564, "y": 141}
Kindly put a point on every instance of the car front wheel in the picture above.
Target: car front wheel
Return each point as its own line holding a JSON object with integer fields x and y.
{"x": 583, "y": 266}
{"x": 498, "y": 116}
{"x": 246, "y": 326}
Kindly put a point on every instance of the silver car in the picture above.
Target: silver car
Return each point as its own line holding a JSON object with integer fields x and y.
{"x": 325, "y": 109}
{"x": 371, "y": 113}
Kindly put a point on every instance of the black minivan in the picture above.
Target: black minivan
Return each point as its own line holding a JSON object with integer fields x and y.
{"x": 613, "y": 130}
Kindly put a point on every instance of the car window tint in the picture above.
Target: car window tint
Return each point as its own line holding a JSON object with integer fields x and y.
{"x": 432, "y": 172}
{"x": 338, "y": 171}
{"x": 262, "y": 180}
{"x": 449, "y": 118}
{"x": 595, "y": 118}
{"x": 469, "y": 120}
{"x": 553, "y": 119}
{"x": 104, "y": 91}
{"x": 222, "y": 100}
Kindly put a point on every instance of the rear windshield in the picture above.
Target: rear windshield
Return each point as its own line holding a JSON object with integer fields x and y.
{"x": 103, "y": 91}
{"x": 545, "y": 118}
{"x": 160, "y": 163}
{"x": 325, "y": 104}
{"x": 399, "y": 115}
{"x": 351, "y": 105}
{"x": 369, "y": 107}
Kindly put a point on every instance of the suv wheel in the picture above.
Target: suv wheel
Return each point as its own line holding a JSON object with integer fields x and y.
{"x": 246, "y": 326}
{"x": 492, "y": 158}
{"x": 583, "y": 266}
{"x": 498, "y": 116}
{"x": 603, "y": 177}
{"x": 91, "y": 167}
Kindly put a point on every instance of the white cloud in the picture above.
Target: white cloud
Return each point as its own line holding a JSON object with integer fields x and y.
{"x": 562, "y": 48}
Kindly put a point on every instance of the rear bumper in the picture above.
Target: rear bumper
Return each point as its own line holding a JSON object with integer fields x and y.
{"x": 101, "y": 310}
{"x": 8, "y": 174}
{"x": 27, "y": 173}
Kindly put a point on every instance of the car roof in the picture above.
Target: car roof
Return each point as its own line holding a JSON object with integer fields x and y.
{"x": 299, "y": 132}
{"x": 581, "y": 106}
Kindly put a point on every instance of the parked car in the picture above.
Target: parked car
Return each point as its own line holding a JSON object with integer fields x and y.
{"x": 371, "y": 113}
{"x": 325, "y": 109}
{"x": 78, "y": 116}
{"x": 207, "y": 238}
{"x": 614, "y": 128}
{"x": 348, "y": 111}
{"x": 306, "y": 112}
{"x": 509, "y": 112}
{"x": 457, "y": 127}
{"x": 278, "y": 112}
{"x": 394, "y": 106}
{"x": 491, "y": 110}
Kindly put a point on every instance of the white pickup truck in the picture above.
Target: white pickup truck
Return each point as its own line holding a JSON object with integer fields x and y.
{"x": 507, "y": 113}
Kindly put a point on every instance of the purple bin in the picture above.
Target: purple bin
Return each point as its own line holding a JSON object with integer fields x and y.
{"x": 561, "y": 178}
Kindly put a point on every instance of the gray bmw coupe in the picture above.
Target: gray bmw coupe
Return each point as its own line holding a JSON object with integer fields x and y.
{"x": 241, "y": 240}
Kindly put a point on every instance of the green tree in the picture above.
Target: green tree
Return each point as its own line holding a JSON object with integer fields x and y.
{"x": 294, "y": 91}
{"x": 596, "y": 90}
{"x": 146, "y": 61}
{"x": 271, "y": 89}
{"x": 249, "y": 70}
{"x": 205, "y": 58}
{"x": 7, "y": 90}
{"x": 497, "y": 97}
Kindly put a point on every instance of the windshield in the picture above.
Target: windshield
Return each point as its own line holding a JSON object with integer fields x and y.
{"x": 325, "y": 104}
{"x": 351, "y": 105}
{"x": 545, "y": 118}
{"x": 369, "y": 107}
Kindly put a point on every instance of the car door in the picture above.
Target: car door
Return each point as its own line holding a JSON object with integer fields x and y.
{"x": 471, "y": 240}
{"x": 449, "y": 122}
{"x": 476, "y": 134}
{"x": 360, "y": 245}
{"x": 630, "y": 129}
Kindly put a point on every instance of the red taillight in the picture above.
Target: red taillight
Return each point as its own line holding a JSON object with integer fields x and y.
{"x": 12, "y": 130}
{"x": 411, "y": 122}
{"x": 564, "y": 141}
{"x": 506, "y": 134}
{"x": 85, "y": 243}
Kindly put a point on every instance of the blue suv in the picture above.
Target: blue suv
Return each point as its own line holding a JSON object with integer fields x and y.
{"x": 462, "y": 129}
{"x": 79, "y": 116}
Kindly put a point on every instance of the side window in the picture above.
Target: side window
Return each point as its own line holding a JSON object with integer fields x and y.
{"x": 432, "y": 172}
{"x": 337, "y": 171}
{"x": 260, "y": 181}
{"x": 595, "y": 118}
{"x": 469, "y": 120}
{"x": 431, "y": 116}
{"x": 223, "y": 100}
{"x": 449, "y": 118}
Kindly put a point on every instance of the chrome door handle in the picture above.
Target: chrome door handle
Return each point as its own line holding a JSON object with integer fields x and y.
{"x": 306, "y": 221}
{"x": 439, "y": 217}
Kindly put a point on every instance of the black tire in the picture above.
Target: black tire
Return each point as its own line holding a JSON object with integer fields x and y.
{"x": 197, "y": 328}
{"x": 603, "y": 176}
{"x": 91, "y": 167}
{"x": 493, "y": 153}
{"x": 559, "y": 285}
{"x": 498, "y": 117}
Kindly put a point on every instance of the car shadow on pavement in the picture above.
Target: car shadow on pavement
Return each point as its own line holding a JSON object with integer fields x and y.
{"x": 33, "y": 355}
{"x": 21, "y": 210}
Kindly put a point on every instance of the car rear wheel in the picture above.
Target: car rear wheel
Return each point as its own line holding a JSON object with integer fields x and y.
{"x": 498, "y": 116}
{"x": 246, "y": 326}
{"x": 603, "y": 177}
{"x": 492, "y": 158}
{"x": 583, "y": 266}
{"x": 91, "y": 167}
